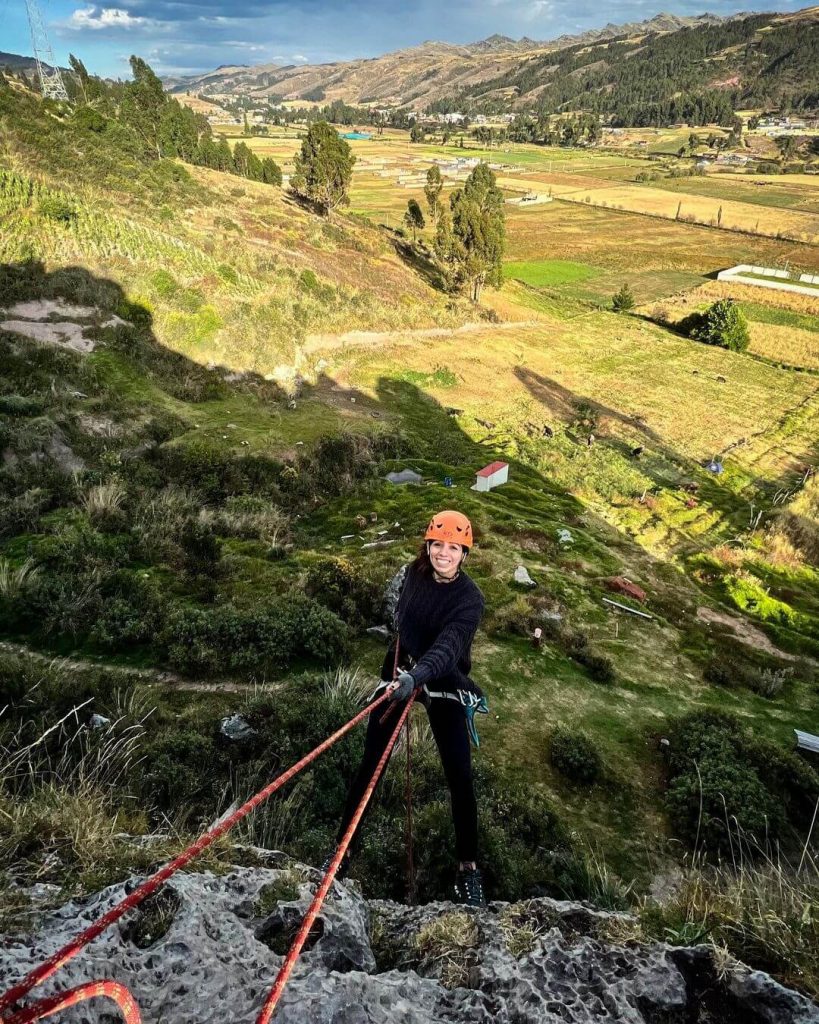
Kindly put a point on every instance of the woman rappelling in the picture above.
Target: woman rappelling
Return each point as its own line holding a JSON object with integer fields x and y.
{"x": 435, "y": 609}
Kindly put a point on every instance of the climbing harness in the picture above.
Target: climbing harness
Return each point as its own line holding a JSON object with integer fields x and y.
{"x": 472, "y": 703}
{"x": 113, "y": 990}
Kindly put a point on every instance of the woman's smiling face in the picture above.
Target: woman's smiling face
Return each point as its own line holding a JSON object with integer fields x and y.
{"x": 446, "y": 557}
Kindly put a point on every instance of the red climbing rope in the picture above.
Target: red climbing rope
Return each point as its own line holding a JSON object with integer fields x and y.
{"x": 324, "y": 888}
{"x": 148, "y": 887}
{"x": 90, "y": 990}
{"x": 408, "y": 797}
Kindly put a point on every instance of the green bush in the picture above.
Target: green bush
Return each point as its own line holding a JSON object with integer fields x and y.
{"x": 345, "y": 589}
{"x": 266, "y": 639}
{"x": 623, "y": 300}
{"x": 737, "y": 665}
{"x": 178, "y": 770}
{"x": 722, "y": 324}
{"x": 207, "y": 466}
{"x": 20, "y": 405}
{"x": 575, "y": 756}
{"x": 599, "y": 666}
{"x": 131, "y": 614}
{"x": 338, "y": 463}
{"x": 723, "y": 780}
{"x": 57, "y": 208}
{"x": 201, "y": 550}
{"x": 164, "y": 283}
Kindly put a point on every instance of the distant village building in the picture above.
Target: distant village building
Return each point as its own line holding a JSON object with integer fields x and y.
{"x": 493, "y": 475}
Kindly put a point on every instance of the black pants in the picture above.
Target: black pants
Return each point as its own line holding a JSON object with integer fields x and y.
{"x": 448, "y": 723}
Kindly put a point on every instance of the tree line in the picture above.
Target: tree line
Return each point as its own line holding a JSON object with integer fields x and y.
{"x": 160, "y": 124}
{"x": 698, "y": 75}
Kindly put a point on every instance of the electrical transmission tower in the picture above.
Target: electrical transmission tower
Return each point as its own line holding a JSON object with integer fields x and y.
{"x": 51, "y": 81}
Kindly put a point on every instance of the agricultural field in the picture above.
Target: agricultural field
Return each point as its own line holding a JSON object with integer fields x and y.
{"x": 784, "y": 327}
{"x": 679, "y": 204}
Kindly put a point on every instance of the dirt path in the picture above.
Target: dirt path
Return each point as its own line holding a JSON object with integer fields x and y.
{"x": 323, "y": 342}
{"x": 150, "y": 677}
{"x": 745, "y": 632}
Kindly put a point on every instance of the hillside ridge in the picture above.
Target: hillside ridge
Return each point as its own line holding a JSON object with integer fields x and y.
{"x": 423, "y": 73}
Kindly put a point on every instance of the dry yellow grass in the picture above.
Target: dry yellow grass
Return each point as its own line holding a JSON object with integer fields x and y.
{"x": 646, "y": 382}
{"x": 699, "y": 209}
{"x": 793, "y": 301}
{"x": 788, "y": 343}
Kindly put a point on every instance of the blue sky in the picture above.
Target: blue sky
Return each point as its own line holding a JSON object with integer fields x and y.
{"x": 186, "y": 36}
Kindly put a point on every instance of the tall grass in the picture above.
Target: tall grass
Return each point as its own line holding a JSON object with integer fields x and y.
{"x": 759, "y": 906}
{"x": 59, "y": 804}
{"x": 15, "y": 581}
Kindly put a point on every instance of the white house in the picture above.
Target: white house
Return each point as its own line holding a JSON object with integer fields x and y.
{"x": 493, "y": 475}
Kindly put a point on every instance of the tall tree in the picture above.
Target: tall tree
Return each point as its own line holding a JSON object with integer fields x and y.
{"x": 788, "y": 146}
{"x": 414, "y": 218}
{"x": 81, "y": 76}
{"x": 142, "y": 105}
{"x": 432, "y": 192}
{"x": 271, "y": 172}
{"x": 323, "y": 168}
{"x": 478, "y": 231}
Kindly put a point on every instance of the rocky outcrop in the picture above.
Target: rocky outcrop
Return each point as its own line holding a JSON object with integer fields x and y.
{"x": 207, "y": 948}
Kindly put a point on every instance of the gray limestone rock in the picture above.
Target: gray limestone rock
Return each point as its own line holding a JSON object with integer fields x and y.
{"x": 523, "y": 578}
{"x": 208, "y": 948}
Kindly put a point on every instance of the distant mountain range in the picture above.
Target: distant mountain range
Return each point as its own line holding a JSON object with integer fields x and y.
{"x": 414, "y": 76}
{"x": 667, "y": 69}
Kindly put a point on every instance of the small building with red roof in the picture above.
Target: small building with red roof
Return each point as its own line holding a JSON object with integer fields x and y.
{"x": 493, "y": 475}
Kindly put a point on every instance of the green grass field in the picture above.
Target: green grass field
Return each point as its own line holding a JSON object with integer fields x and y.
{"x": 545, "y": 273}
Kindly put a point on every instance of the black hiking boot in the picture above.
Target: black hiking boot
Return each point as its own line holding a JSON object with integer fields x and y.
{"x": 343, "y": 867}
{"x": 469, "y": 887}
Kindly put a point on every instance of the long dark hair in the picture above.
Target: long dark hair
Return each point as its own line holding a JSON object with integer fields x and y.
{"x": 422, "y": 564}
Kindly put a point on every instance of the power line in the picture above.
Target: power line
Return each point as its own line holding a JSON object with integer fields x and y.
{"x": 51, "y": 79}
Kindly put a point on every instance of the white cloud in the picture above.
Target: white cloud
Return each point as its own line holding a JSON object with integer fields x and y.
{"x": 299, "y": 57}
{"x": 539, "y": 9}
{"x": 96, "y": 18}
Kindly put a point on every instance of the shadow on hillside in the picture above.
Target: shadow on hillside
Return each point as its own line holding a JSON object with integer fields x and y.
{"x": 656, "y": 457}
{"x": 418, "y": 261}
{"x": 116, "y": 323}
{"x": 435, "y": 436}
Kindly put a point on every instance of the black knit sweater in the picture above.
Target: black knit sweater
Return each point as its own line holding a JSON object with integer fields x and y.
{"x": 436, "y": 624}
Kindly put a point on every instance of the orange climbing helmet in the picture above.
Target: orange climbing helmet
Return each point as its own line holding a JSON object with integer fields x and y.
{"x": 450, "y": 526}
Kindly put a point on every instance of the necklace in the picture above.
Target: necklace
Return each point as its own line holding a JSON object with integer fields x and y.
{"x": 445, "y": 579}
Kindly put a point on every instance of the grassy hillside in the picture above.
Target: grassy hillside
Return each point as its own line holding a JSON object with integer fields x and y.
{"x": 194, "y": 436}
